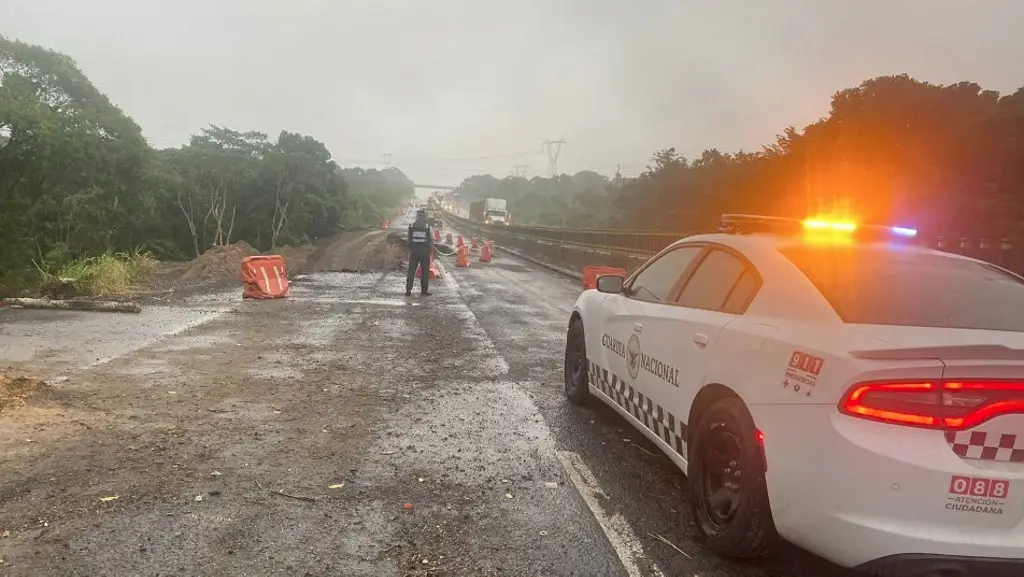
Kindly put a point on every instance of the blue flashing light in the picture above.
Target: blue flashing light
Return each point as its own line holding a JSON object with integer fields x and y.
{"x": 903, "y": 231}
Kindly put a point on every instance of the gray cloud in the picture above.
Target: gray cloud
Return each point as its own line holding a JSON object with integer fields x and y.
{"x": 445, "y": 84}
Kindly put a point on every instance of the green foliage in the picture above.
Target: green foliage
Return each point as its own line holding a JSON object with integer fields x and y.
{"x": 580, "y": 200}
{"x": 78, "y": 179}
{"x": 375, "y": 195}
{"x": 947, "y": 159}
{"x": 109, "y": 273}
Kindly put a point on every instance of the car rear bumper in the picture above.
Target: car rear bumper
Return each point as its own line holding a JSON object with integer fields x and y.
{"x": 915, "y": 565}
{"x": 858, "y": 492}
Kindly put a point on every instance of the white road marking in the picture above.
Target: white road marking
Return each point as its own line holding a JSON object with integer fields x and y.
{"x": 616, "y": 529}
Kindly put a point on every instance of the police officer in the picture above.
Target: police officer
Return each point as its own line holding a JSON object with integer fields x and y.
{"x": 421, "y": 245}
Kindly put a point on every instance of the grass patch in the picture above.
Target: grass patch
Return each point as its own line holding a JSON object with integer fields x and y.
{"x": 106, "y": 274}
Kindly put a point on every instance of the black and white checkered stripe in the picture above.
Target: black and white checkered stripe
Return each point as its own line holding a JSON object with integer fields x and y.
{"x": 985, "y": 446}
{"x": 662, "y": 423}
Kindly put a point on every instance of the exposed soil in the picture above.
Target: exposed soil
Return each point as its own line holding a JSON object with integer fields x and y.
{"x": 220, "y": 262}
{"x": 356, "y": 252}
{"x": 15, "y": 391}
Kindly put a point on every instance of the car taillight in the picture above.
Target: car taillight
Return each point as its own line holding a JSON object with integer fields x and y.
{"x": 949, "y": 405}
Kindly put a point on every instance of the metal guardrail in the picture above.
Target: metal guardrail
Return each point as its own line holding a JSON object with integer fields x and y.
{"x": 638, "y": 242}
{"x": 1001, "y": 252}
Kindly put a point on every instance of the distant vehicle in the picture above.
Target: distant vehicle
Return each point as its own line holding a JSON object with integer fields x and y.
{"x": 824, "y": 382}
{"x": 490, "y": 211}
{"x": 434, "y": 213}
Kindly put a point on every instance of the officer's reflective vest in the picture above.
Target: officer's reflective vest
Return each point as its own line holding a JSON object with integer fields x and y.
{"x": 419, "y": 236}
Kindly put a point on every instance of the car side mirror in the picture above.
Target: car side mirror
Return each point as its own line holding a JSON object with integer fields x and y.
{"x": 610, "y": 284}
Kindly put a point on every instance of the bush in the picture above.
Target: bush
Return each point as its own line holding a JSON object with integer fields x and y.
{"x": 109, "y": 273}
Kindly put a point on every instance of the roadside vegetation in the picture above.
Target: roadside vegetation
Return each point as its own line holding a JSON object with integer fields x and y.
{"x": 84, "y": 197}
{"x": 946, "y": 159}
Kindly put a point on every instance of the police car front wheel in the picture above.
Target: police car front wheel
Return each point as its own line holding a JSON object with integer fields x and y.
{"x": 728, "y": 493}
{"x": 576, "y": 378}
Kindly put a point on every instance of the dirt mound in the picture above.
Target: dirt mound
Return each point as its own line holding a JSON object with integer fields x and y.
{"x": 220, "y": 262}
{"x": 14, "y": 391}
{"x": 381, "y": 256}
{"x": 295, "y": 257}
{"x": 356, "y": 251}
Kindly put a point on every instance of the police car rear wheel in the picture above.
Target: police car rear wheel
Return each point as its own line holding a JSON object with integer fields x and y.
{"x": 728, "y": 493}
{"x": 576, "y": 389}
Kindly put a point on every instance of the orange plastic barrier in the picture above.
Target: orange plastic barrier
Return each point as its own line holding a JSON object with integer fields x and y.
{"x": 485, "y": 253}
{"x": 264, "y": 277}
{"x": 462, "y": 257}
{"x": 590, "y": 274}
{"x": 434, "y": 272}
{"x": 460, "y": 242}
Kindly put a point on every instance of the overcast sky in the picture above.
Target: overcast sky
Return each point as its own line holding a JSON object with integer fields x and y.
{"x": 457, "y": 87}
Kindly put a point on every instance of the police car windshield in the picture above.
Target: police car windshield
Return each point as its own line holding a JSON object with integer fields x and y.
{"x": 885, "y": 285}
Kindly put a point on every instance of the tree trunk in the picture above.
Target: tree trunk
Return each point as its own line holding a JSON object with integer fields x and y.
{"x": 78, "y": 305}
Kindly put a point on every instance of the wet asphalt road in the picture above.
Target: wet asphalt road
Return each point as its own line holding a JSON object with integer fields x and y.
{"x": 468, "y": 460}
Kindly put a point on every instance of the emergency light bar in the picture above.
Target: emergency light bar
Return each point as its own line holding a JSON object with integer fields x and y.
{"x": 750, "y": 223}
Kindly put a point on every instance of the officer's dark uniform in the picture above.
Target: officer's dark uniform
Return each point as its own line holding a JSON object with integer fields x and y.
{"x": 421, "y": 245}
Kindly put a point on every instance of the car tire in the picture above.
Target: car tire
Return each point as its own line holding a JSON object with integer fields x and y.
{"x": 727, "y": 488}
{"x": 576, "y": 365}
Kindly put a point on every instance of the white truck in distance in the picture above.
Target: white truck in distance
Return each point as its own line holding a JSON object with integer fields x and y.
{"x": 490, "y": 211}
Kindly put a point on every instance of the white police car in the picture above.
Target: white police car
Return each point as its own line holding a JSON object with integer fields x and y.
{"x": 827, "y": 383}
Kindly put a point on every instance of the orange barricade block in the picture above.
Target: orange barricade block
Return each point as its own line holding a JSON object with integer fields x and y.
{"x": 437, "y": 235}
{"x": 485, "y": 253}
{"x": 448, "y": 238}
{"x": 264, "y": 277}
{"x": 590, "y": 274}
{"x": 462, "y": 257}
{"x": 434, "y": 272}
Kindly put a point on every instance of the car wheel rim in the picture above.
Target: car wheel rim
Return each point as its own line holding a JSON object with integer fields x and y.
{"x": 721, "y": 477}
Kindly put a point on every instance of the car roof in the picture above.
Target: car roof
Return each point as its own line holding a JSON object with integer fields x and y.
{"x": 757, "y": 244}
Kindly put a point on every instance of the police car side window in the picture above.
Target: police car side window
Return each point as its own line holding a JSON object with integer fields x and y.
{"x": 713, "y": 282}
{"x": 655, "y": 283}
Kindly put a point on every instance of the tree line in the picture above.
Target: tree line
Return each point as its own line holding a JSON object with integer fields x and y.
{"x": 78, "y": 178}
{"x": 948, "y": 159}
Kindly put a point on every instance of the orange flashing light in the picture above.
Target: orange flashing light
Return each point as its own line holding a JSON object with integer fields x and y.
{"x": 832, "y": 225}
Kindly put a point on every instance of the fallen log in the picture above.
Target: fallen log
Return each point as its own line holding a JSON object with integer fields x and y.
{"x": 76, "y": 305}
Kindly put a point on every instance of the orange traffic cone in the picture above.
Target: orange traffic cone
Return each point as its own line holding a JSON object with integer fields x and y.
{"x": 462, "y": 257}
{"x": 434, "y": 272}
{"x": 485, "y": 253}
{"x": 448, "y": 238}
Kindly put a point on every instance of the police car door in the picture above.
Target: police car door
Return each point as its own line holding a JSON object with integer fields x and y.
{"x": 678, "y": 343}
{"x": 649, "y": 294}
